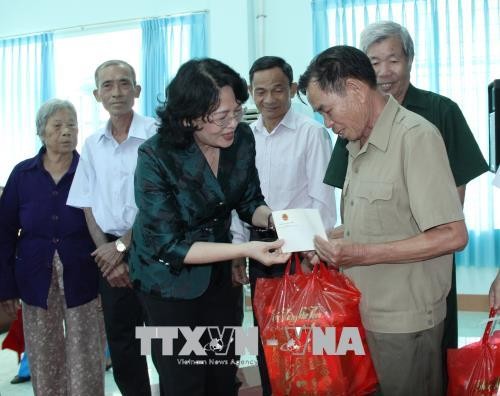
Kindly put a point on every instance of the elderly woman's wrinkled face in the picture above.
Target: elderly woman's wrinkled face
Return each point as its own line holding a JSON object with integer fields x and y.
{"x": 219, "y": 130}
{"x": 61, "y": 132}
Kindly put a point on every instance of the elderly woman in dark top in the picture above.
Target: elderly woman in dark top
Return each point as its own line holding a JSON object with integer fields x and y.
{"x": 189, "y": 177}
{"x": 45, "y": 261}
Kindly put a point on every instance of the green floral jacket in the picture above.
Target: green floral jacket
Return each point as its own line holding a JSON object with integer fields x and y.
{"x": 180, "y": 202}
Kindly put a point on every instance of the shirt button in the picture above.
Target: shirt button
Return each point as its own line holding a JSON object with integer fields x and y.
{"x": 55, "y": 217}
{"x": 55, "y": 192}
{"x": 220, "y": 203}
{"x": 356, "y": 170}
{"x": 347, "y": 233}
{"x": 352, "y": 203}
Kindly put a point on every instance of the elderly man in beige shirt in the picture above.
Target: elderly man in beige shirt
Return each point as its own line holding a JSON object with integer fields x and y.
{"x": 402, "y": 219}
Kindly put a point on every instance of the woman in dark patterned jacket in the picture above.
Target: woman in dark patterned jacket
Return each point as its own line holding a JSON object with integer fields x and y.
{"x": 189, "y": 177}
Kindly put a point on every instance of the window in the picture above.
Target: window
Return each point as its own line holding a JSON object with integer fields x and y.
{"x": 36, "y": 68}
{"x": 25, "y": 83}
{"x": 456, "y": 55}
{"x": 75, "y": 61}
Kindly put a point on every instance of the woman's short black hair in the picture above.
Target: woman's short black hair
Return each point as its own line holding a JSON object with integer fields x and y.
{"x": 195, "y": 93}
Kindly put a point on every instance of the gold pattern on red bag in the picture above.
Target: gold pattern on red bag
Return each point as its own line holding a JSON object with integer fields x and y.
{"x": 287, "y": 309}
{"x": 305, "y": 313}
{"x": 487, "y": 386}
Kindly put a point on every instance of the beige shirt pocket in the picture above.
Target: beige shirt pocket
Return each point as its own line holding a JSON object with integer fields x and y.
{"x": 369, "y": 205}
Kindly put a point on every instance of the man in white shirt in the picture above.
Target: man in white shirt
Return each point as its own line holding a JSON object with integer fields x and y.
{"x": 104, "y": 187}
{"x": 292, "y": 154}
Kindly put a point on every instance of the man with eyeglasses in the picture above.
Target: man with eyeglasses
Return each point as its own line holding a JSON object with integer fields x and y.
{"x": 104, "y": 187}
{"x": 292, "y": 154}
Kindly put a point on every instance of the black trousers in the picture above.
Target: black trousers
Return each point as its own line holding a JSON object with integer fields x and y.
{"x": 123, "y": 311}
{"x": 219, "y": 306}
{"x": 450, "y": 337}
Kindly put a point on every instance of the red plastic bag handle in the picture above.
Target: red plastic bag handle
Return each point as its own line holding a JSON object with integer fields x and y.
{"x": 298, "y": 267}
{"x": 319, "y": 267}
{"x": 489, "y": 325}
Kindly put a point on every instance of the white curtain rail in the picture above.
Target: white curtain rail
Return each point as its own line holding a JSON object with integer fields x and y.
{"x": 101, "y": 25}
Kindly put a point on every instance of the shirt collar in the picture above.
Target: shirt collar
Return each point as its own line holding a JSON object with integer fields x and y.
{"x": 413, "y": 99}
{"x": 136, "y": 129}
{"x": 37, "y": 161}
{"x": 74, "y": 162}
{"x": 381, "y": 132}
{"x": 289, "y": 121}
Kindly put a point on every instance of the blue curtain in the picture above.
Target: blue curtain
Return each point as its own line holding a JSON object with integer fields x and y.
{"x": 320, "y": 25}
{"x": 166, "y": 44}
{"x": 198, "y": 45}
{"x": 456, "y": 55}
{"x": 27, "y": 80}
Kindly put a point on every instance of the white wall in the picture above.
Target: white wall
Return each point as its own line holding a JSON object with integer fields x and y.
{"x": 231, "y": 23}
{"x": 289, "y": 32}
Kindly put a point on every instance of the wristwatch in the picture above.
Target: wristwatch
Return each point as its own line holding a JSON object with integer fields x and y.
{"x": 120, "y": 246}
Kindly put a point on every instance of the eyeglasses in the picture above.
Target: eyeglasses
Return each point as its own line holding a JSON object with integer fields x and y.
{"x": 224, "y": 121}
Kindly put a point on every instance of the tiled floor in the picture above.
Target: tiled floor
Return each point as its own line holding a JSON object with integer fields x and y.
{"x": 471, "y": 327}
{"x": 8, "y": 369}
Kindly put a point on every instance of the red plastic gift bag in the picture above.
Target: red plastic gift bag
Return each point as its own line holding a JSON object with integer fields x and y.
{"x": 474, "y": 370}
{"x": 291, "y": 312}
{"x": 15, "y": 337}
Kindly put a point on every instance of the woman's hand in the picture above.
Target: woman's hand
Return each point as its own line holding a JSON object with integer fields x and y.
{"x": 10, "y": 307}
{"x": 267, "y": 253}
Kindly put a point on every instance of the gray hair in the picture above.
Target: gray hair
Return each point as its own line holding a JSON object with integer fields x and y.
{"x": 379, "y": 31}
{"x": 114, "y": 62}
{"x": 47, "y": 110}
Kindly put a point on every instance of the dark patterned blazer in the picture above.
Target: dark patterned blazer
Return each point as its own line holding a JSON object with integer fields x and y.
{"x": 181, "y": 202}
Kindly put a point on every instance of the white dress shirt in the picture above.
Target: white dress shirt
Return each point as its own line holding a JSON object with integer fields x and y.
{"x": 104, "y": 178}
{"x": 292, "y": 161}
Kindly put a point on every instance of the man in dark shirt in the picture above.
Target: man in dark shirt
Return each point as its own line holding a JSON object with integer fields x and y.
{"x": 390, "y": 49}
